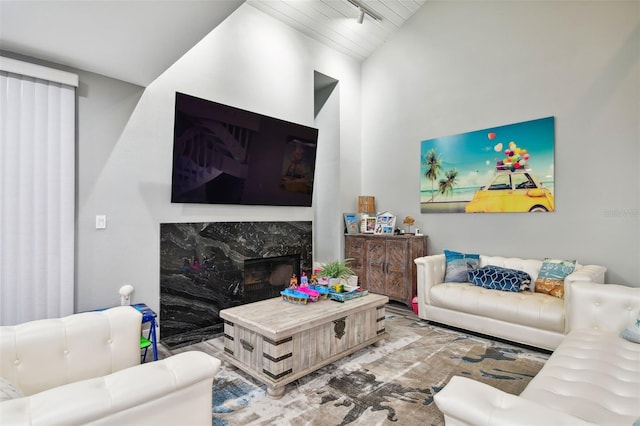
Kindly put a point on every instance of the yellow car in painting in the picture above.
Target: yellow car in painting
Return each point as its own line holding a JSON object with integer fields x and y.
{"x": 517, "y": 191}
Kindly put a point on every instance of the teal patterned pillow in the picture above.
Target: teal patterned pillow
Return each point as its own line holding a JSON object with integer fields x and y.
{"x": 551, "y": 276}
{"x": 459, "y": 265}
{"x": 497, "y": 278}
{"x": 632, "y": 333}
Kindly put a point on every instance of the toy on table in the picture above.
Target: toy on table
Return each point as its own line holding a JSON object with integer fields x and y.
{"x": 323, "y": 291}
{"x": 304, "y": 280}
{"x": 293, "y": 282}
{"x": 294, "y": 296}
{"x": 313, "y": 294}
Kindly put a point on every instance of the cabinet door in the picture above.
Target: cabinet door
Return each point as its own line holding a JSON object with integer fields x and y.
{"x": 397, "y": 273}
{"x": 375, "y": 267}
{"x": 355, "y": 249}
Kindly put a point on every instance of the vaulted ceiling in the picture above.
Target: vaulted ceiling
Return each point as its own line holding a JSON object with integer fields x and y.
{"x": 335, "y": 22}
{"x": 136, "y": 41}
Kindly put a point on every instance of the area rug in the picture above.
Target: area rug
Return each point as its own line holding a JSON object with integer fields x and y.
{"x": 391, "y": 384}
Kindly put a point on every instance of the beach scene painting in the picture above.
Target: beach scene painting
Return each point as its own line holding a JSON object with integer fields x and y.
{"x": 505, "y": 169}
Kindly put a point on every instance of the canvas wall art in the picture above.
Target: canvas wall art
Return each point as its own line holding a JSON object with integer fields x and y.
{"x": 503, "y": 169}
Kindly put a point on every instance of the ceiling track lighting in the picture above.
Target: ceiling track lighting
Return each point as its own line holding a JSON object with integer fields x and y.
{"x": 363, "y": 10}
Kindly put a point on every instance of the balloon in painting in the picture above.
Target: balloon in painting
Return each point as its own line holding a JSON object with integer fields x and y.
{"x": 498, "y": 147}
{"x": 491, "y": 136}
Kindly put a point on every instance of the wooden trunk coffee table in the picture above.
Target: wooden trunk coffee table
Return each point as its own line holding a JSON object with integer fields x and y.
{"x": 277, "y": 342}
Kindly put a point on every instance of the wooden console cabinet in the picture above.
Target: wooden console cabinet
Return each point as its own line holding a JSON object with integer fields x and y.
{"x": 384, "y": 263}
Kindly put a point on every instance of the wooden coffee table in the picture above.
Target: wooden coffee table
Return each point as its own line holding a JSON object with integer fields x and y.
{"x": 277, "y": 342}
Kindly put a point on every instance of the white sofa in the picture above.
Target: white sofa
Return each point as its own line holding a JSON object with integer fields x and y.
{"x": 593, "y": 377}
{"x": 526, "y": 317}
{"x": 85, "y": 369}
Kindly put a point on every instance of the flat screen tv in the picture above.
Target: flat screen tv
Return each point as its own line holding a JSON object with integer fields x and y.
{"x": 226, "y": 155}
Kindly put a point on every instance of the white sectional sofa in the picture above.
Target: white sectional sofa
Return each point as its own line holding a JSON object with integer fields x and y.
{"x": 85, "y": 369}
{"x": 525, "y": 317}
{"x": 593, "y": 377}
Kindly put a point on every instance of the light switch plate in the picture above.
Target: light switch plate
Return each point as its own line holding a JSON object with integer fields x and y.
{"x": 101, "y": 221}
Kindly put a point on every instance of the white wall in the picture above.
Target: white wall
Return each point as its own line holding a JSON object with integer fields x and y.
{"x": 250, "y": 61}
{"x": 456, "y": 67}
{"x": 326, "y": 219}
{"x": 462, "y": 66}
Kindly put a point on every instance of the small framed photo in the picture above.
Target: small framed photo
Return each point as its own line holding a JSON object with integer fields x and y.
{"x": 383, "y": 229}
{"x": 385, "y": 224}
{"x": 351, "y": 223}
{"x": 386, "y": 219}
{"x": 369, "y": 224}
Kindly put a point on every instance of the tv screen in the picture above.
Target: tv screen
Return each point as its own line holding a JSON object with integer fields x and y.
{"x": 226, "y": 155}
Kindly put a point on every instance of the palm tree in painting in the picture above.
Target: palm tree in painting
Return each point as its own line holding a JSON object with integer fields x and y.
{"x": 434, "y": 167}
{"x": 446, "y": 185}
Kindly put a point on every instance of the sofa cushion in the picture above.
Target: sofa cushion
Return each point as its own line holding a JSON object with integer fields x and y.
{"x": 551, "y": 277}
{"x": 497, "y": 278}
{"x": 458, "y": 265}
{"x": 526, "y": 308}
{"x": 592, "y": 374}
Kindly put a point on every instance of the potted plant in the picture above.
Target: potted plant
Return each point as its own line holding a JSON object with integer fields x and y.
{"x": 337, "y": 271}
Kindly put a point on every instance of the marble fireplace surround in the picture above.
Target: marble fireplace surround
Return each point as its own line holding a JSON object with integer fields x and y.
{"x": 202, "y": 270}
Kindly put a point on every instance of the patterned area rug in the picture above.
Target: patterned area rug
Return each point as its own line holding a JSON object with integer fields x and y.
{"x": 393, "y": 383}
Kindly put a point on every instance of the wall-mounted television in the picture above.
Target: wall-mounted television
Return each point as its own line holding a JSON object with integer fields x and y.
{"x": 226, "y": 155}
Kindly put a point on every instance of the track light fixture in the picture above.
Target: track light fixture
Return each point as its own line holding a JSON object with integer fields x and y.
{"x": 363, "y": 10}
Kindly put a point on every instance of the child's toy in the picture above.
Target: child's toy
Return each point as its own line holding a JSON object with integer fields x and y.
{"x": 324, "y": 291}
{"x": 294, "y": 296}
{"x": 349, "y": 295}
{"x": 313, "y": 294}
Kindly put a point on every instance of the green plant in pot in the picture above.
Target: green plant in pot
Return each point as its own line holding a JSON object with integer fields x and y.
{"x": 338, "y": 271}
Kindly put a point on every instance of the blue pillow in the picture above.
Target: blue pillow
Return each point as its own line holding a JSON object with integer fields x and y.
{"x": 632, "y": 333}
{"x": 459, "y": 265}
{"x": 497, "y": 278}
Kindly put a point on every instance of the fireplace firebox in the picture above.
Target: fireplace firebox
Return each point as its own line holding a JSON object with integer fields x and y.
{"x": 265, "y": 278}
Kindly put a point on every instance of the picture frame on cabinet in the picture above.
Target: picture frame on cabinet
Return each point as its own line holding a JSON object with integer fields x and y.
{"x": 385, "y": 223}
{"x": 369, "y": 224}
{"x": 351, "y": 223}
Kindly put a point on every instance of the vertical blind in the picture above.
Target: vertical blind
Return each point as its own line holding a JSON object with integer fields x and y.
{"x": 37, "y": 187}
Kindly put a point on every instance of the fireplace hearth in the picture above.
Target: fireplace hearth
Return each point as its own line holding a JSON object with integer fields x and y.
{"x": 207, "y": 267}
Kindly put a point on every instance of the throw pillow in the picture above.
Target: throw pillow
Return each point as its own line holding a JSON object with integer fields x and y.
{"x": 632, "y": 333}
{"x": 458, "y": 266}
{"x": 8, "y": 390}
{"x": 497, "y": 278}
{"x": 552, "y": 274}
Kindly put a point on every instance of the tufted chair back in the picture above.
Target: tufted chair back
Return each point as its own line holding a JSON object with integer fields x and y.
{"x": 590, "y": 310}
{"x": 44, "y": 354}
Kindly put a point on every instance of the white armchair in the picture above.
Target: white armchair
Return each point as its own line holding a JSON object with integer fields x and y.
{"x": 85, "y": 369}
